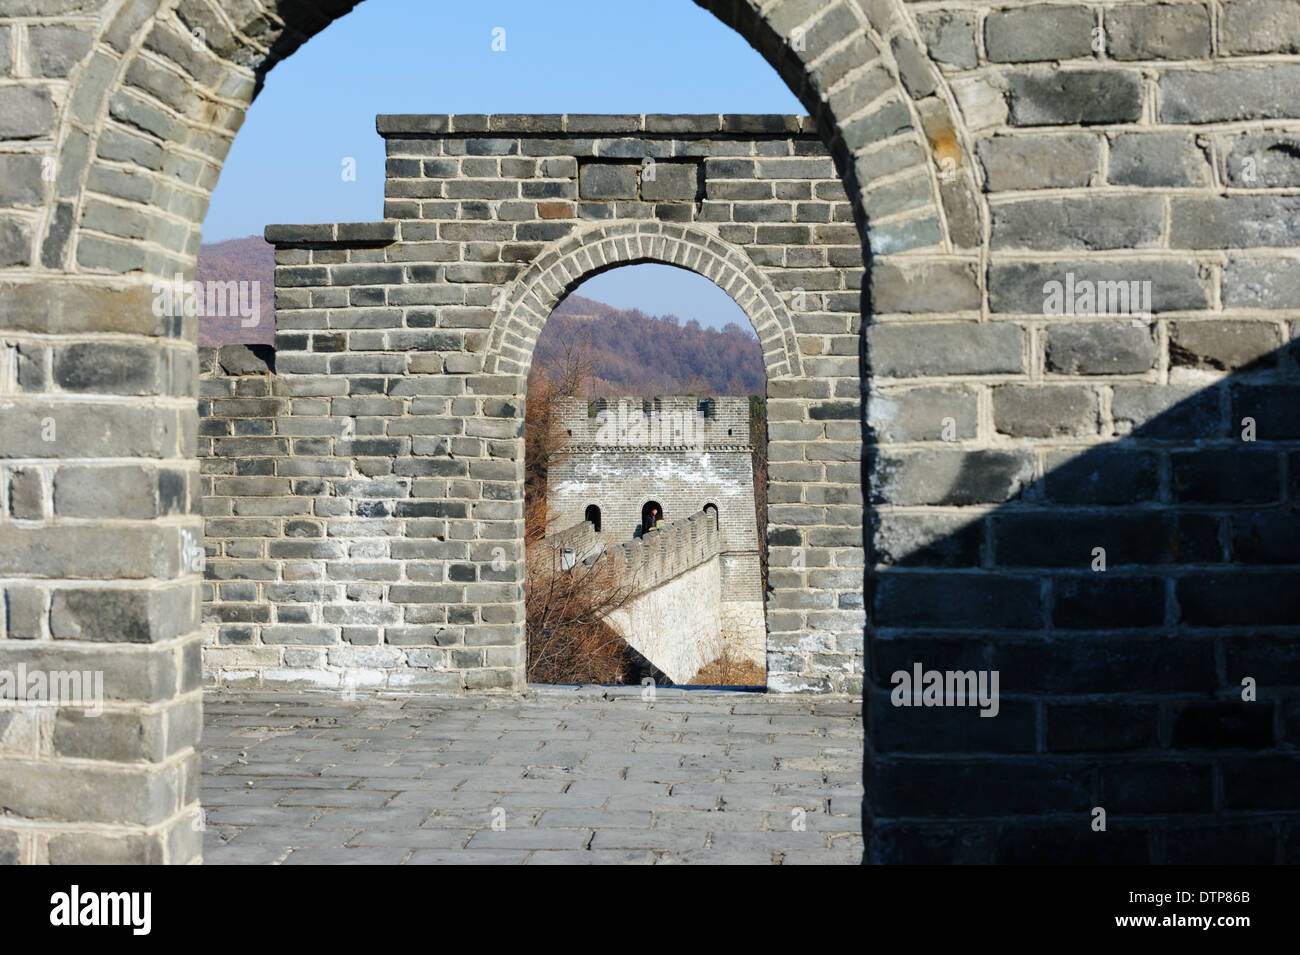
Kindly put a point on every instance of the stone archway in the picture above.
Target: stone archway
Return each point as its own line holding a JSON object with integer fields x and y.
{"x": 375, "y": 309}
{"x": 136, "y": 130}
{"x": 112, "y": 146}
{"x": 565, "y": 265}
{"x": 585, "y": 253}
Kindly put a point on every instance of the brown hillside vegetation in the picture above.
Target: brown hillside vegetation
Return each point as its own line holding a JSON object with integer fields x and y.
{"x": 239, "y": 260}
{"x": 633, "y": 353}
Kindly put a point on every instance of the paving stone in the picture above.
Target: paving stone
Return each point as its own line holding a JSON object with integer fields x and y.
{"x": 647, "y": 839}
{"x": 466, "y": 857}
{"x": 592, "y": 857}
{"x": 412, "y": 838}
{"x": 581, "y": 815}
{"x": 530, "y": 839}
{"x": 368, "y": 855}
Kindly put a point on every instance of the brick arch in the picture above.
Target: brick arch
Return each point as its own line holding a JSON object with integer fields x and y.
{"x": 570, "y": 261}
{"x": 147, "y": 76}
{"x": 139, "y": 132}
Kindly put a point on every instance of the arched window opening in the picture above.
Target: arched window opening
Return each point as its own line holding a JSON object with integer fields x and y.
{"x": 712, "y": 511}
{"x": 652, "y": 516}
{"x": 636, "y": 389}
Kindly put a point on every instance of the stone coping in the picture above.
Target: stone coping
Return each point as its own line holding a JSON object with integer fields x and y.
{"x": 453, "y": 124}
{"x": 333, "y": 233}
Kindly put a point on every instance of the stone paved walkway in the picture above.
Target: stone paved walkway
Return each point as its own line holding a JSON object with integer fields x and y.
{"x": 561, "y": 776}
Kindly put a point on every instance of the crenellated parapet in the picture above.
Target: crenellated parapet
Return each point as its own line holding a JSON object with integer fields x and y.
{"x": 663, "y": 554}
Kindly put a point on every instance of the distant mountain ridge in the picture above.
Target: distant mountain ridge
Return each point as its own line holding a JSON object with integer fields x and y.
{"x": 239, "y": 260}
{"x": 632, "y": 353}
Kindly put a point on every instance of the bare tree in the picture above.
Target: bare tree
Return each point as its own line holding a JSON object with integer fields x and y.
{"x": 565, "y": 376}
{"x": 569, "y": 640}
{"x": 567, "y": 609}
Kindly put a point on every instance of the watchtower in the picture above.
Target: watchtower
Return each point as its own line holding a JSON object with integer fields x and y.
{"x": 629, "y": 461}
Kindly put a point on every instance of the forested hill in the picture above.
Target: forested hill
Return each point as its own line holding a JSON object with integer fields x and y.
{"x": 636, "y": 354}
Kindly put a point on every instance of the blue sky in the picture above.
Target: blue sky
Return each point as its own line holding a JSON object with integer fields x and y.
{"x": 435, "y": 56}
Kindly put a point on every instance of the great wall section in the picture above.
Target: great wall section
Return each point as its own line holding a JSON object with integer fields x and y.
{"x": 948, "y": 455}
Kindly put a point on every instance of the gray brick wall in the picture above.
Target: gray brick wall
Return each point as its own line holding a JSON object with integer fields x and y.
{"x": 114, "y": 125}
{"x": 397, "y": 399}
{"x": 685, "y": 453}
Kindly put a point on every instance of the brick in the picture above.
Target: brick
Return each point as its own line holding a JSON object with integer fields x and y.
{"x": 1071, "y": 844}
{"x": 1237, "y": 599}
{"x": 24, "y": 615}
{"x": 15, "y": 242}
{"x": 1018, "y": 287}
{"x": 1100, "y": 601}
{"x": 26, "y": 112}
{"x": 1033, "y": 412}
{"x": 26, "y": 494}
{"x": 1168, "y": 412}
{"x": 1039, "y": 33}
{"x": 1166, "y": 31}
{"x": 928, "y": 287}
{"x": 1222, "y": 726}
{"x": 920, "y": 414}
{"x": 1039, "y": 162}
{"x": 604, "y": 181}
{"x": 1080, "y": 663}
{"x": 950, "y": 477}
{"x": 56, "y": 50}
{"x": 1227, "y": 476}
{"x": 979, "y": 787}
{"x": 1100, "y": 348}
{"x": 1228, "y": 222}
{"x": 977, "y": 602}
{"x": 1101, "y": 727}
{"x": 914, "y": 540}
{"x": 1084, "y": 97}
{"x": 672, "y": 181}
{"x": 950, "y": 37}
{"x": 1264, "y": 538}
{"x": 1102, "y": 222}
{"x": 1259, "y": 26}
{"x": 1059, "y": 539}
{"x": 131, "y": 491}
{"x": 1157, "y": 159}
{"x": 949, "y": 348}
{"x": 1262, "y": 160}
{"x": 1226, "y": 345}
{"x": 20, "y": 180}
{"x": 1101, "y": 476}
{"x": 949, "y": 729}
{"x": 1142, "y": 788}
{"x": 1228, "y": 94}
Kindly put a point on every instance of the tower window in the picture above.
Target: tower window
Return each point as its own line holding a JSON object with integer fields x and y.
{"x": 592, "y": 516}
{"x": 652, "y": 516}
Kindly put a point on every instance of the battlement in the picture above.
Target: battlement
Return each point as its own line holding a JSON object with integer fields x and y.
{"x": 661, "y": 555}
{"x": 674, "y": 125}
{"x": 582, "y": 537}
{"x": 665, "y": 423}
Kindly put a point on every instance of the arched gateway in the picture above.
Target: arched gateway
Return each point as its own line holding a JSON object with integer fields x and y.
{"x": 987, "y": 153}
{"x": 402, "y": 353}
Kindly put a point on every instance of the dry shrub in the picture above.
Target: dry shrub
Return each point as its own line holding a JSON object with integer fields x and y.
{"x": 566, "y": 376}
{"x": 729, "y": 670}
{"x": 568, "y": 638}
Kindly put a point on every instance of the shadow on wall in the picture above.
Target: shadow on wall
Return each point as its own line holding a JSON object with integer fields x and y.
{"x": 1118, "y": 689}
